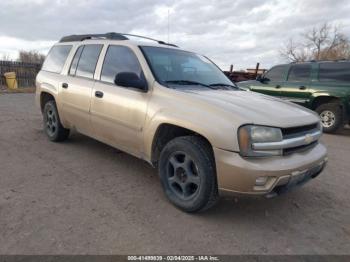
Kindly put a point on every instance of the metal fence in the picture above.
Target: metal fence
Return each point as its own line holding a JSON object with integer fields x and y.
{"x": 25, "y": 72}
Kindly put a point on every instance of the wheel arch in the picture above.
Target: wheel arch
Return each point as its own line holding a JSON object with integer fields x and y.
{"x": 44, "y": 98}
{"x": 325, "y": 99}
{"x": 165, "y": 132}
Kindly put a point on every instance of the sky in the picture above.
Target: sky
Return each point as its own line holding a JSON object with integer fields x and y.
{"x": 241, "y": 32}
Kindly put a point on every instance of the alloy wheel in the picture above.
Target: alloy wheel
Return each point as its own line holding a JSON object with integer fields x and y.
{"x": 51, "y": 121}
{"x": 327, "y": 118}
{"x": 183, "y": 175}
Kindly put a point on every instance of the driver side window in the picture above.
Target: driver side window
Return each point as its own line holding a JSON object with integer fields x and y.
{"x": 276, "y": 74}
{"x": 119, "y": 59}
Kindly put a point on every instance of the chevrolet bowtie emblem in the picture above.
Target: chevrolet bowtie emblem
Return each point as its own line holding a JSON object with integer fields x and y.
{"x": 308, "y": 139}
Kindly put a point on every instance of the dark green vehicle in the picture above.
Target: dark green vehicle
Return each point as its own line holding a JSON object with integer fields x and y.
{"x": 323, "y": 86}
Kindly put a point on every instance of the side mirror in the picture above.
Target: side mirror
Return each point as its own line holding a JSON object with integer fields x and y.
{"x": 130, "y": 79}
{"x": 262, "y": 79}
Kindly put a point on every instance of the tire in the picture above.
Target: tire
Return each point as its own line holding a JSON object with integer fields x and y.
{"x": 188, "y": 174}
{"x": 52, "y": 123}
{"x": 331, "y": 117}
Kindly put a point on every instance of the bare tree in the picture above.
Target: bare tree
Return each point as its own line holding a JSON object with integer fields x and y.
{"x": 320, "y": 43}
{"x": 31, "y": 57}
{"x": 294, "y": 52}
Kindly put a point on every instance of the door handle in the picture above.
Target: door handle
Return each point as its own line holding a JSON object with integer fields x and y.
{"x": 278, "y": 86}
{"x": 64, "y": 85}
{"x": 99, "y": 94}
{"x": 302, "y": 87}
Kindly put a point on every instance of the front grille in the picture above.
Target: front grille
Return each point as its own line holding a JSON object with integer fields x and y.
{"x": 298, "y": 131}
{"x": 293, "y": 132}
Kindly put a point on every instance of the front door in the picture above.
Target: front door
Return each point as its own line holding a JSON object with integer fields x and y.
{"x": 297, "y": 88}
{"x": 118, "y": 113}
{"x": 272, "y": 81}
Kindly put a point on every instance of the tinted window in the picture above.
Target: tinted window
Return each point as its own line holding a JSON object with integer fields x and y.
{"x": 56, "y": 58}
{"x": 334, "y": 71}
{"x": 119, "y": 59}
{"x": 88, "y": 60}
{"x": 299, "y": 72}
{"x": 276, "y": 73}
{"x": 73, "y": 67}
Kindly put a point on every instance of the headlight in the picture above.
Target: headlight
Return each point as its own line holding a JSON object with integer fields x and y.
{"x": 249, "y": 134}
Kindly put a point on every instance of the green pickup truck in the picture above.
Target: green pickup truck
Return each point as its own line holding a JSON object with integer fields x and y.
{"x": 323, "y": 86}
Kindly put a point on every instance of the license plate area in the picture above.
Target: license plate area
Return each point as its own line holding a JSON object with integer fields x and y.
{"x": 299, "y": 178}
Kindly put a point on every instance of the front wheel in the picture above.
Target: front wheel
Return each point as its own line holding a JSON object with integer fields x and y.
{"x": 187, "y": 172}
{"x": 331, "y": 117}
{"x": 52, "y": 123}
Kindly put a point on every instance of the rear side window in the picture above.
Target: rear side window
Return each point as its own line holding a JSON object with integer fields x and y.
{"x": 85, "y": 60}
{"x": 119, "y": 59}
{"x": 299, "y": 72}
{"x": 56, "y": 58}
{"x": 276, "y": 73}
{"x": 334, "y": 71}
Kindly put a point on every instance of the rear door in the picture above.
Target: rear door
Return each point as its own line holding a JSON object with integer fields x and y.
{"x": 272, "y": 82}
{"x": 118, "y": 113}
{"x": 77, "y": 89}
{"x": 297, "y": 88}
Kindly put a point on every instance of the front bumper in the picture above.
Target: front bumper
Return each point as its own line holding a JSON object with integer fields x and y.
{"x": 238, "y": 174}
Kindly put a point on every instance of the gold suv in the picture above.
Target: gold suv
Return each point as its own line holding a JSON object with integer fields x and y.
{"x": 179, "y": 112}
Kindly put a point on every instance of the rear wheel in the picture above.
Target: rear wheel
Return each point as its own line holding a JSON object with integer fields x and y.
{"x": 52, "y": 124}
{"x": 187, "y": 173}
{"x": 331, "y": 116}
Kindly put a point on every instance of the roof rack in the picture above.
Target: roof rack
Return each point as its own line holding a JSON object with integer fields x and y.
{"x": 152, "y": 39}
{"x": 317, "y": 61}
{"x": 301, "y": 62}
{"x": 110, "y": 36}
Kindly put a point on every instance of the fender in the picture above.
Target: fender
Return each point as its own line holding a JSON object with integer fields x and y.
{"x": 221, "y": 135}
{"x": 341, "y": 96}
{"x": 47, "y": 82}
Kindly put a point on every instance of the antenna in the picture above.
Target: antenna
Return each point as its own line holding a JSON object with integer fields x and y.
{"x": 168, "y": 24}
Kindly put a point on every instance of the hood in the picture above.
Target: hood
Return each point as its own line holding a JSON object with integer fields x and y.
{"x": 246, "y": 84}
{"x": 255, "y": 108}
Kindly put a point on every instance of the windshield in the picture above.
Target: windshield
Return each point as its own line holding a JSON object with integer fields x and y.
{"x": 172, "y": 66}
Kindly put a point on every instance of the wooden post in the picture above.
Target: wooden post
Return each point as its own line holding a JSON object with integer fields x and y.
{"x": 257, "y": 69}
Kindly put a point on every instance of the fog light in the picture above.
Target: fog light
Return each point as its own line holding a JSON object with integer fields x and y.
{"x": 261, "y": 181}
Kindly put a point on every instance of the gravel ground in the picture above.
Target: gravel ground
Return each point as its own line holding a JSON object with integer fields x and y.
{"x": 84, "y": 197}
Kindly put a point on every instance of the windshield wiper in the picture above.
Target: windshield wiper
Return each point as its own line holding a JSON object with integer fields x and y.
{"x": 188, "y": 82}
{"x": 225, "y": 85}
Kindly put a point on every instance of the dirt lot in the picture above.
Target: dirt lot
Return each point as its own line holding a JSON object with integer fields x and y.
{"x": 83, "y": 197}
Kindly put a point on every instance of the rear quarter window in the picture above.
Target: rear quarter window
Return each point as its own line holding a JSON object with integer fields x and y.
{"x": 334, "y": 72}
{"x": 56, "y": 58}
